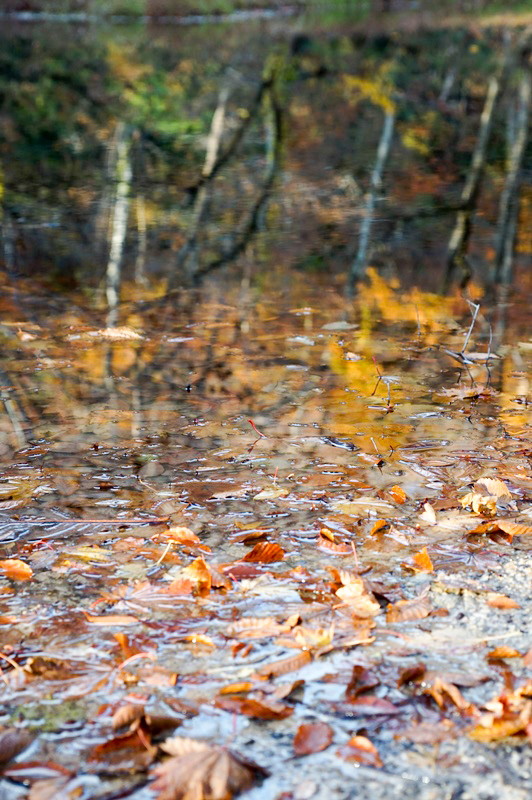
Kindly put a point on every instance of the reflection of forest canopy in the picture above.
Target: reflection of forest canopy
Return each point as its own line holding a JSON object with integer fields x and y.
{"x": 322, "y": 98}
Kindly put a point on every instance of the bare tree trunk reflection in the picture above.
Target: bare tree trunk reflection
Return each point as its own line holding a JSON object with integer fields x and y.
{"x": 358, "y": 267}
{"x": 119, "y": 223}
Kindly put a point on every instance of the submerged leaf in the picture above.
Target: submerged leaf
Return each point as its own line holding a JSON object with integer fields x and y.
{"x": 312, "y": 738}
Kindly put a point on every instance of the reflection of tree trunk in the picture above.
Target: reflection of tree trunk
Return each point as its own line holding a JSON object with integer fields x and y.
{"x": 273, "y": 153}
{"x": 457, "y": 247}
{"x": 119, "y": 223}
{"x": 185, "y": 261}
{"x": 509, "y": 198}
{"x": 140, "y": 261}
{"x": 358, "y": 267}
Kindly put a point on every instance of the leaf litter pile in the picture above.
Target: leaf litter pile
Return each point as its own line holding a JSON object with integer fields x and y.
{"x": 254, "y": 548}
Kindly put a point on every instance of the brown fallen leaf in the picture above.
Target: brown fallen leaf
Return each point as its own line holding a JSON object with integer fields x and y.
{"x": 506, "y": 715}
{"x": 312, "y": 737}
{"x": 265, "y": 553}
{"x": 16, "y": 570}
{"x": 361, "y": 750}
{"x": 12, "y": 742}
{"x": 257, "y": 708}
{"x": 355, "y": 595}
{"x": 378, "y": 526}
{"x": 500, "y": 601}
{"x": 480, "y": 504}
{"x": 494, "y": 486}
{"x": 442, "y": 690}
{"x": 285, "y": 665}
{"x": 407, "y": 610}
{"x": 199, "y": 574}
{"x": 198, "y": 771}
{"x": 255, "y": 628}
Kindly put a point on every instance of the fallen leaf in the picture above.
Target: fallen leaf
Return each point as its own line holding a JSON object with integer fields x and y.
{"x": 503, "y": 652}
{"x": 255, "y": 628}
{"x": 398, "y": 494}
{"x": 111, "y": 619}
{"x": 12, "y": 742}
{"x": 312, "y": 737}
{"x": 422, "y": 561}
{"x": 428, "y": 515}
{"x": 441, "y": 689}
{"x": 265, "y": 553}
{"x": 285, "y": 665}
{"x": 361, "y": 750}
{"x": 199, "y": 574}
{"x": 272, "y": 493}
{"x": 493, "y": 486}
{"x": 378, "y": 526}
{"x": 407, "y": 610}
{"x": 198, "y": 771}
{"x": 502, "y": 602}
{"x": 16, "y": 570}
{"x": 254, "y": 707}
{"x": 480, "y": 504}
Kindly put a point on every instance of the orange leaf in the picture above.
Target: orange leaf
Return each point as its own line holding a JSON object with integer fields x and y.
{"x": 312, "y": 738}
{"x": 378, "y": 526}
{"x": 422, "y": 561}
{"x": 111, "y": 619}
{"x": 496, "y": 600}
{"x": 504, "y": 652}
{"x": 265, "y": 553}
{"x": 199, "y": 574}
{"x": 361, "y": 750}
{"x": 285, "y": 665}
{"x": 16, "y": 570}
{"x": 398, "y": 494}
{"x": 236, "y": 688}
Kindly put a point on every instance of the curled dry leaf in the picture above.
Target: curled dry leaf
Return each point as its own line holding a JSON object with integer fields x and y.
{"x": 330, "y": 546}
{"x": 312, "y": 738}
{"x": 361, "y": 750}
{"x": 398, "y": 494}
{"x": 16, "y": 570}
{"x": 200, "y": 772}
{"x": 442, "y": 690}
{"x": 378, "y": 526}
{"x": 503, "y": 652}
{"x": 199, "y": 574}
{"x": 422, "y": 561}
{"x": 507, "y": 715}
{"x": 265, "y": 553}
{"x": 407, "y": 610}
{"x": 355, "y": 595}
{"x": 480, "y": 504}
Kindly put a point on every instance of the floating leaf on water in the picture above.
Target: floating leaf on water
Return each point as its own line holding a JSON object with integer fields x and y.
{"x": 111, "y": 619}
{"x": 422, "y": 561}
{"x": 398, "y": 494}
{"x": 312, "y": 737}
{"x": 254, "y": 707}
{"x": 265, "y": 553}
{"x": 272, "y": 493}
{"x": 494, "y": 486}
{"x": 408, "y": 610}
{"x": 285, "y": 665}
{"x": 198, "y": 771}
{"x": 428, "y": 515}
{"x": 16, "y": 570}
{"x": 361, "y": 750}
{"x": 500, "y": 601}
